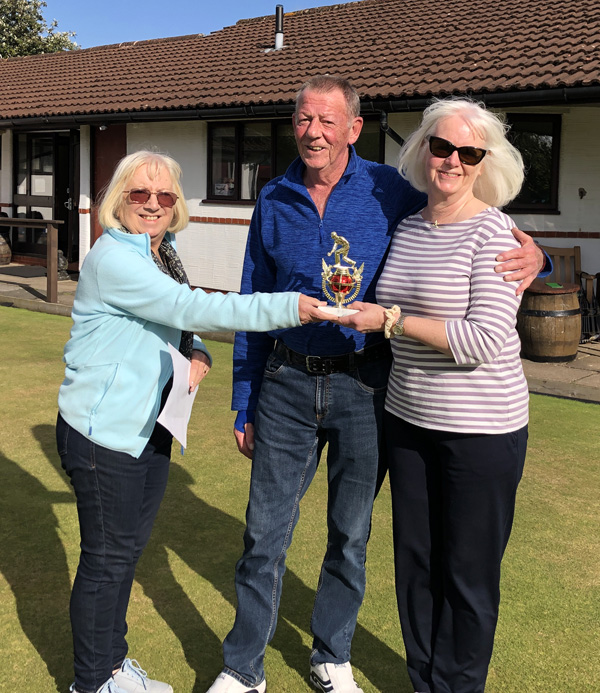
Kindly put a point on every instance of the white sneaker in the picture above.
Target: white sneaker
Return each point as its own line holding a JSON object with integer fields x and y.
{"x": 333, "y": 678}
{"x": 107, "y": 687}
{"x": 225, "y": 683}
{"x": 131, "y": 678}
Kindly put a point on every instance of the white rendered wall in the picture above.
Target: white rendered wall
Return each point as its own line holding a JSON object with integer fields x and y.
{"x": 212, "y": 252}
{"x": 212, "y": 248}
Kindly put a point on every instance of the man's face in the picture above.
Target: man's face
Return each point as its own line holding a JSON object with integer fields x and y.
{"x": 323, "y": 129}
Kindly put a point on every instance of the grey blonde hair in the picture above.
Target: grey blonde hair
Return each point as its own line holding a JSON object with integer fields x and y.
{"x": 503, "y": 171}
{"x": 325, "y": 84}
{"x": 113, "y": 199}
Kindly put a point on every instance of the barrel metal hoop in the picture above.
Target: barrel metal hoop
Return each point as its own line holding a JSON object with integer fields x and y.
{"x": 551, "y": 313}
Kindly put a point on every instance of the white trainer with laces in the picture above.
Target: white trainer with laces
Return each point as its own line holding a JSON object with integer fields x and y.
{"x": 107, "y": 687}
{"x": 226, "y": 683}
{"x": 333, "y": 678}
{"x": 131, "y": 678}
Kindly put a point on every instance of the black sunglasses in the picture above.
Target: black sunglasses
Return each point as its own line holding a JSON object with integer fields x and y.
{"x": 140, "y": 197}
{"x": 471, "y": 156}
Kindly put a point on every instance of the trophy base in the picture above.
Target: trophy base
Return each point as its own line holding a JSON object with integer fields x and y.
{"x": 340, "y": 312}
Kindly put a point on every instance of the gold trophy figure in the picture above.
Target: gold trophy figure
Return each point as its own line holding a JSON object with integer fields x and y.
{"x": 341, "y": 283}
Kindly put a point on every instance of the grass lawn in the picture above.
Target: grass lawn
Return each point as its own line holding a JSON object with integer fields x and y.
{"x": 548, "y": 638}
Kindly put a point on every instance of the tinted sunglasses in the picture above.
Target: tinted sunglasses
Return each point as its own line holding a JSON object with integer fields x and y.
{"x": 441, "y": 148}
{"x": 141, "y": 196}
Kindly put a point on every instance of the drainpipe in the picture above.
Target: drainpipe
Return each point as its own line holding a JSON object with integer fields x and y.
{"x": 278, "y": 27}
{"x": 383, "y": 124}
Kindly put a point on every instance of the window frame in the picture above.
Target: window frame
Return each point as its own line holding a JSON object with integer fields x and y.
{"x": 550, "y": 207}
{"x": 238, "y": 125}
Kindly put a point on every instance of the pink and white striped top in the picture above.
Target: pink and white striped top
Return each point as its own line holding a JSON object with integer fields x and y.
{"x": 447, "y": 273}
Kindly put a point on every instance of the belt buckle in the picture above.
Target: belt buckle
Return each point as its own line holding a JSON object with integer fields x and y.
{"x": 317, "y": 365}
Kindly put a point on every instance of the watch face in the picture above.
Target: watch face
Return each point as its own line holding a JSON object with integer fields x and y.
{"x": 399, "y": 327}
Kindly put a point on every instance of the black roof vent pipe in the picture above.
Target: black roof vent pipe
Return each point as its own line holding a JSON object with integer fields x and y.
{"x": 278, "y": 27}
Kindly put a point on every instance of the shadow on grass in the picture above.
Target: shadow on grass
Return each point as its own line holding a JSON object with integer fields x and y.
{"x": 33, "y": 560}
{"x": 209, "y": 542}
{"x": 204, "y": 537}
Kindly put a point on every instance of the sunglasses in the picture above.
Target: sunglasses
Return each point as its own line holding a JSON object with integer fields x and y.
{"x": 471, "y": 156}
{"x": 140, "y": 197}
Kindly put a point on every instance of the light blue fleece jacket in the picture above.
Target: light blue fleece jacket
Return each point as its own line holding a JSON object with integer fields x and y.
{"x": 125, "y": 313}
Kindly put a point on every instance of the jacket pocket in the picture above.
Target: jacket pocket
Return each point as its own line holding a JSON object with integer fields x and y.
{"x": 104, "y": 376}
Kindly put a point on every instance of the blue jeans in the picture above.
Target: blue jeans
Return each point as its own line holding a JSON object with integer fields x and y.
{"x": 297, "y": 414}
{"x": 118, "y": 497}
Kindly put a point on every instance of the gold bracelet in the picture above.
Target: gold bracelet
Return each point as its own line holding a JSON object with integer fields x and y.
{"x": 392, "y": 315}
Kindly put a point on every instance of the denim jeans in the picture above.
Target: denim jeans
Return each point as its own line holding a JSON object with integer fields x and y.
{"x": 297, "y": 414}
{"x": 118, "y": 497}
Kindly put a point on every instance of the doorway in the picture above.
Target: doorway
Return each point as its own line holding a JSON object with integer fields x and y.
{"x": 46, "y": 186}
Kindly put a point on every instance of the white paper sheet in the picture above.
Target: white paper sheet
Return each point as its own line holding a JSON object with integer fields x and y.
{"x": 176, "y": 413}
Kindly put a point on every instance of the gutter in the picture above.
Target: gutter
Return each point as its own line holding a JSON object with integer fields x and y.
{"x": 554, "y": 97}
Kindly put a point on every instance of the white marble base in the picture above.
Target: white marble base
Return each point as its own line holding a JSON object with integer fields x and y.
{"x": 333, "y": 310}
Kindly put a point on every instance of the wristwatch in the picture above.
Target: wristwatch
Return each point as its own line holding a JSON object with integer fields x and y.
{"x": 398, "y": 328}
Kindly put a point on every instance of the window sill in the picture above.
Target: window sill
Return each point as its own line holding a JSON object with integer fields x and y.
{"x": 551, "y": 211}
{"x": 226, "y": 201}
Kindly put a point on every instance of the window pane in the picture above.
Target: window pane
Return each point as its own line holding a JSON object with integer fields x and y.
{"x": 42, "y": 148}
{"x": 537, "y": 138}
{"x": 223, "y": 160}
{"x": 534, "y": 141}
{"x": 256, "y": 159}
{"x": 286, "y": 147}
{"x": 41, "y": 185}
{"x": 22, "y": 168}
{"x": 367, "y": 145}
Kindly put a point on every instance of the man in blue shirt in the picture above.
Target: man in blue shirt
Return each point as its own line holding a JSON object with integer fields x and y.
{"x": 298, "y": 389}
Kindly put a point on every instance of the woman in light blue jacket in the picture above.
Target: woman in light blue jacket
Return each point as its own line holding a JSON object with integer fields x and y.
{"x": 133, "y": 298}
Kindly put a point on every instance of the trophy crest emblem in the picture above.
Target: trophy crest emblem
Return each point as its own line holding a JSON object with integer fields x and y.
{"x": 341, "y": 282}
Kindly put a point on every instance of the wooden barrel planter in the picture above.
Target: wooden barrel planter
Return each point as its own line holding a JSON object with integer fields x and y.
{"x": 549, "y": 322}
{"x": 5, "y": 253}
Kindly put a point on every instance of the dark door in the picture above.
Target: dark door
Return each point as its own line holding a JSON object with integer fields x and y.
{"x": 46, "y": 186}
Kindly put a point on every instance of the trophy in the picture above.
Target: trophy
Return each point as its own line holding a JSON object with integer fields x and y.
{"x": 341, "y": 283}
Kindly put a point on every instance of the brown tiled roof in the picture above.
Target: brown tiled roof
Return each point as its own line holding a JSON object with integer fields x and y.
{"x": 390, "y": 49}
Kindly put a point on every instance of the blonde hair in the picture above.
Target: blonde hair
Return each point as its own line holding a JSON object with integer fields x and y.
{"x": 503, "y": 172}
{"x": 112, "y": 199}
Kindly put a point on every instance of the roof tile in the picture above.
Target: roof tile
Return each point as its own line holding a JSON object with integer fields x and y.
{"x": 390, "y": 49}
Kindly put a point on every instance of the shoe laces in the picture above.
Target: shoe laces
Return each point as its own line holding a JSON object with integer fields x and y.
{"x": 109, "y": 687}
{"x": 132, "y": 667}
{"x": 113, "y": 688}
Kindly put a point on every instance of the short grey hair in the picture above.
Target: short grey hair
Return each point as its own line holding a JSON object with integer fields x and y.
{"x": 112, "y": 198}
{"x": 325, "y": 84}
{"x": 503, "y": 170}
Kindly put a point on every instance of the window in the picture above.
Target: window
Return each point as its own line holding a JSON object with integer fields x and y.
{"x": 537, "y": 137}
{"x": 242, "y": 157}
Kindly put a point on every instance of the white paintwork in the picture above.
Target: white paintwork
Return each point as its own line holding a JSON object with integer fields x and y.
{"x": 6, "y": 168}
{"x": 85, "y": 192}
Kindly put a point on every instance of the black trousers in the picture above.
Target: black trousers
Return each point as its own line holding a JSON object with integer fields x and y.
{"x": 453, "y": 499}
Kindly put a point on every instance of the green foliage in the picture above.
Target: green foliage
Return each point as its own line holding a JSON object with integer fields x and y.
{"x": 183, "y": 600}
{"x": 24, "y": 31}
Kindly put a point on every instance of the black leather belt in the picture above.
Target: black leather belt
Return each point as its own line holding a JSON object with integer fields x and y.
{"x": 326, "y": 365}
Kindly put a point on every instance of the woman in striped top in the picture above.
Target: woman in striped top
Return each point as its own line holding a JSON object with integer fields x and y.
{"x": 457, "y": 402}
